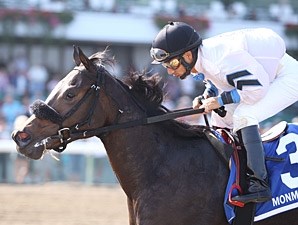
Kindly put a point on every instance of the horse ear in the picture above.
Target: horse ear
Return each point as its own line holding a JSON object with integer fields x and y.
{"x": 76, "y": 57}
{"x": 89, "y": 65}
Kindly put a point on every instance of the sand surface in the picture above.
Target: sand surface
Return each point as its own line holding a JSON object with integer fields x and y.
{"x": 62, "y": 204}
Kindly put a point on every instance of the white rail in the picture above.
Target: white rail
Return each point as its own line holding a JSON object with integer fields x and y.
{"x": 91, "y": 146}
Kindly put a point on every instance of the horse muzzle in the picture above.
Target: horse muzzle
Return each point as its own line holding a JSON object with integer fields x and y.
{"x": 35, "y": 149}
{"x": 23, "y": 145}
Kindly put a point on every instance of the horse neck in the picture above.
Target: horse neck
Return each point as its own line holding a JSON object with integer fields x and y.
{"x": 122, "y": 145}
{"x": 122, "y": 103}
{"x": 137, "y": 151}
{"x": 128, "y": 149}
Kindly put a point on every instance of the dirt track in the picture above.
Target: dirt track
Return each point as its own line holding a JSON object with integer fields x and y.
{"x": 62, "y": 204}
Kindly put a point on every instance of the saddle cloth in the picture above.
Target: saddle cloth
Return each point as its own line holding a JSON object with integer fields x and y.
{"x": 282, "y": 167}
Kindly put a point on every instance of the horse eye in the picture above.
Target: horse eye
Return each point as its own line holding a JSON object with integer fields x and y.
{"x": 70, "y": 95}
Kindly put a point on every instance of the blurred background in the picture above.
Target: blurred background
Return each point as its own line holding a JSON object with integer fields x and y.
{"x": 36, "y": 39}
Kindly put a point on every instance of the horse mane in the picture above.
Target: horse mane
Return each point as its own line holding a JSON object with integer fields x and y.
{"x": 148, "y": 91}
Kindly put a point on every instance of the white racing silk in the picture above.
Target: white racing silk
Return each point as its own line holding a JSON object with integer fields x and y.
{"x": 255, "y": 62}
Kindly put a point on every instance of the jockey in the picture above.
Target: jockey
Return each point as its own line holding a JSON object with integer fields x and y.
{"x": 254, "y": 76}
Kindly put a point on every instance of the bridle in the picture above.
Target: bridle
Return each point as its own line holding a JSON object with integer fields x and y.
{"x": 43, "y": 111}
{"x": 66, "y": 134}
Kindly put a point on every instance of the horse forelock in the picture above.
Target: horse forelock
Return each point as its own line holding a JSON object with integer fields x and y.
{"x": 102, "y": 58}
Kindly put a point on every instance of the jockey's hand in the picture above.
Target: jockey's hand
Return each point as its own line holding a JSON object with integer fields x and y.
{"x": 208, "y": 104}
{"x": 197, "y": 102}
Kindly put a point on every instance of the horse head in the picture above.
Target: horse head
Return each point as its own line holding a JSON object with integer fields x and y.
{"x": 78, "y": 102}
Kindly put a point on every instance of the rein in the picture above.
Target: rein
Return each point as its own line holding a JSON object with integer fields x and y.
{"x": 139, "y": 122}
{"x": 65, "y": 134}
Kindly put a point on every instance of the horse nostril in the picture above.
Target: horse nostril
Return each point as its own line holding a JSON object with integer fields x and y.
{"x": 22, "y": 136}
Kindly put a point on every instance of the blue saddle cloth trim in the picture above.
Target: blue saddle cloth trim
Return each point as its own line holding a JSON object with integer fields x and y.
{"x": 283, "y": 177}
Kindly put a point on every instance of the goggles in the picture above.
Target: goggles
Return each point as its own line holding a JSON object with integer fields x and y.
{"x": 159, "y": 54}
{"x": 173, "y": 63}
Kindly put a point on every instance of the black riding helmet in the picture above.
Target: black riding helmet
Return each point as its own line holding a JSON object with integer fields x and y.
{"x": 173, "y": 40}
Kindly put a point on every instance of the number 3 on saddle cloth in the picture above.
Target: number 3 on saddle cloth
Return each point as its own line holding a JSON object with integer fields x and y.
{"x": 281, "y": 155}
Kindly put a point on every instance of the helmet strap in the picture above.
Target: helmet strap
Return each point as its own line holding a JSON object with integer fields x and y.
{"x": 188, "y": 66}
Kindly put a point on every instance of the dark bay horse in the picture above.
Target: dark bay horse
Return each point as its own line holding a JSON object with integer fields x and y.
{"x": 169, "y": 171}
